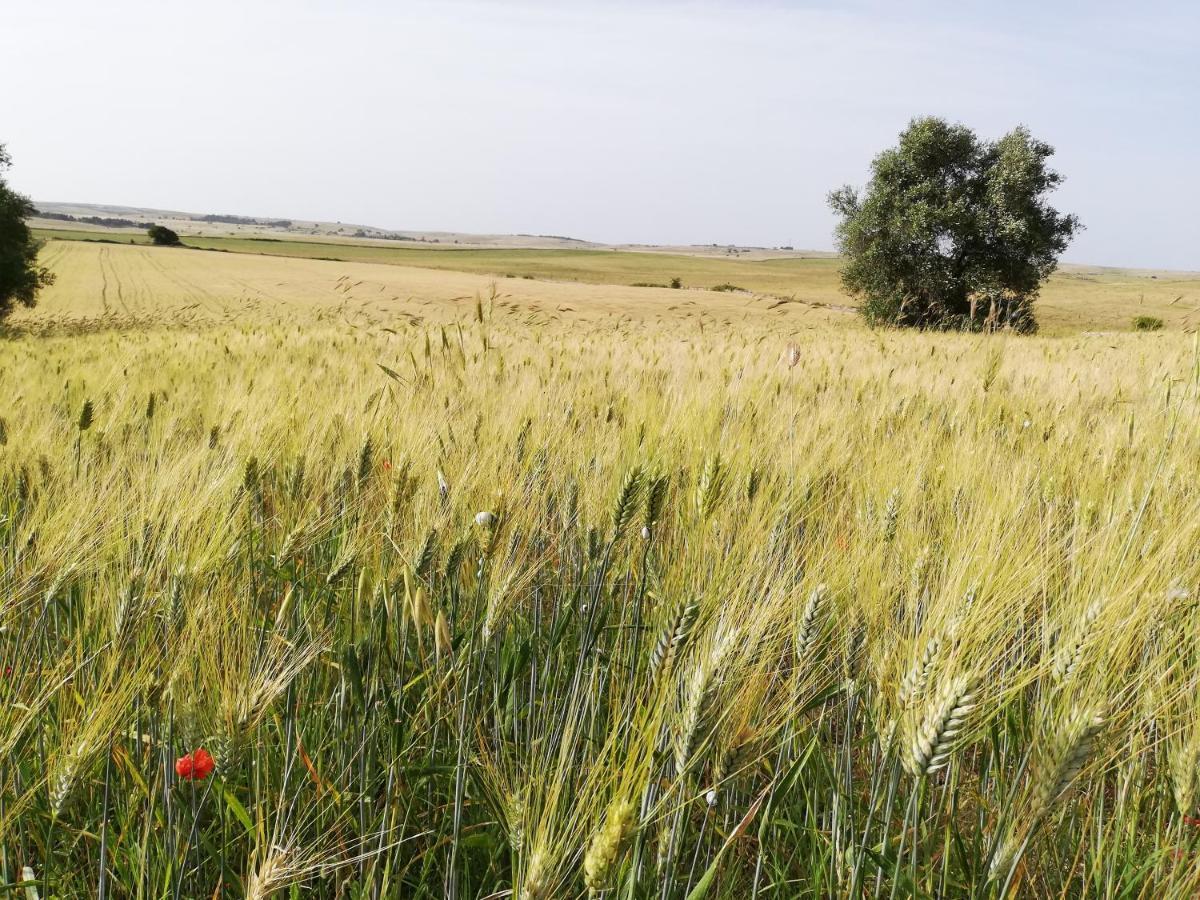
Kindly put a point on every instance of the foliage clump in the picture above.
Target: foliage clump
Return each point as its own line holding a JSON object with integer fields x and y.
{"x": 20, "y": 276}
{"x": 1147, "y": 323}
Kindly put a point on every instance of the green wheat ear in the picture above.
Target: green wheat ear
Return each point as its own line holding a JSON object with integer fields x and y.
{"x": 937, "y": 729}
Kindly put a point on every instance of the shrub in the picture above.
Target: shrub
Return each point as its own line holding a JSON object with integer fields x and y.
{"x": 1147, "y": 323}
{"x": 676, "y": 283}
{"x": 726, "y": 288}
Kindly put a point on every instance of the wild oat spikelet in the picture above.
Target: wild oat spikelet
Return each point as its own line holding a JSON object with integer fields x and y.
{"x": 607, "y": 844}
{"x": 418, "y": 607}
{"x": 934, "y": 738}
{"x": 442, "y": 643}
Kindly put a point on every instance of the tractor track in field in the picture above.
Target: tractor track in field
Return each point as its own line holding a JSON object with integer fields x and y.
{"x": 192, "y": 292}
{"x": 103, "y": 281}
{"x": 111, "y": 278}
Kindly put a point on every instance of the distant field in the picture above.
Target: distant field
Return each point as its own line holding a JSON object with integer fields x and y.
{"x": 781, "y": 276}
{"x": 183, "y": 286}
{"x": 1074, "y": 300}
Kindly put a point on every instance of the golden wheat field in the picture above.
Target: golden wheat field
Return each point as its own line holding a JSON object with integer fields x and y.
{"x": 96, "y": 281}
{"x": 347, "y": 580}
{"x": 369, "y": 282}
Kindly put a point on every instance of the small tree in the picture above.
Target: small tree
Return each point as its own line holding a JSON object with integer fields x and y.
{"x": 20, "y": 275}
{"x": 163, "y": 236}
{"x": 952, "y": 231}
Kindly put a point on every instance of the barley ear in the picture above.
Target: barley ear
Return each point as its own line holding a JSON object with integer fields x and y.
{"x": 607, "y": 844}
{"x": 935, "y": 734}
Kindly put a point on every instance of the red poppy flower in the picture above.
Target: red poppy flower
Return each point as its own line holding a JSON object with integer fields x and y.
{"x": 196, "y": 765}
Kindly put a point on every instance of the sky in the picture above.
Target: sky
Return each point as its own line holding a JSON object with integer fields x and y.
{"x": 614, "y": 120}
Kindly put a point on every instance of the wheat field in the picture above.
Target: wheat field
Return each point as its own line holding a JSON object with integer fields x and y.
{"x": 455, "y": 591}
{"x": 237, "y": 273}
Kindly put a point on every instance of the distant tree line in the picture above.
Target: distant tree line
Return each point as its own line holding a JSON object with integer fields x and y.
{"x": 243, "y": 220}
{"x": 407, "y": 237}
{"x": 91, "y": 220}
{"x": 113, "y": 222}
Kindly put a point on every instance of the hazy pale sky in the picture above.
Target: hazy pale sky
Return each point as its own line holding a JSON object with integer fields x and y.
{"x": 657, "y": 122}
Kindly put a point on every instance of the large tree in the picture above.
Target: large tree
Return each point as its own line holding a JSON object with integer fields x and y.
{"x": 20, "y": 275}
{"x": 163, "y": 236}
{"x": 953, "y": 231}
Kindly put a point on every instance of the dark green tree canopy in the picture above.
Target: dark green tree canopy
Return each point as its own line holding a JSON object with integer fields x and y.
{"x": 952, "y": 231}
{"x": 163, "y": 236}
{"x": 20, "y": 275}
